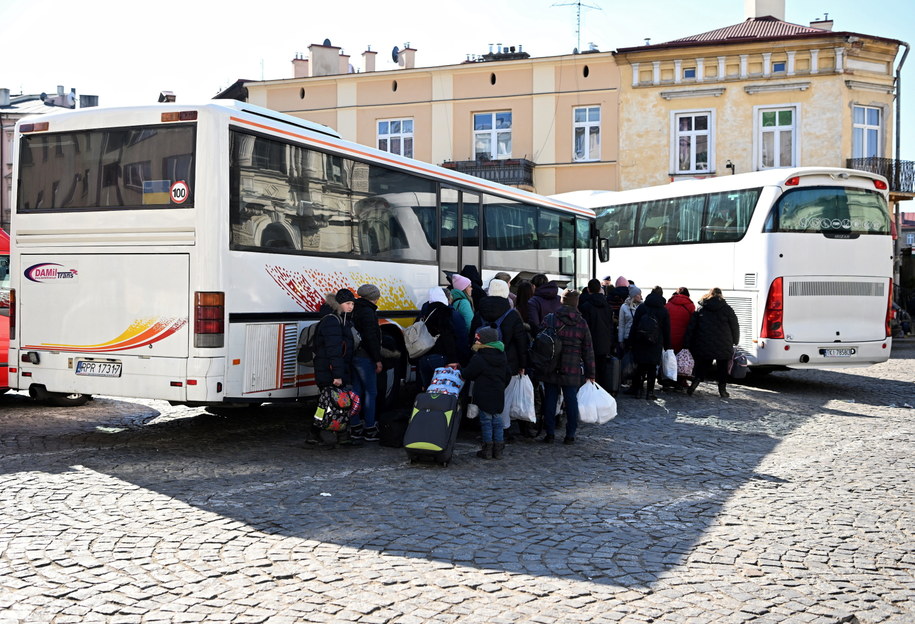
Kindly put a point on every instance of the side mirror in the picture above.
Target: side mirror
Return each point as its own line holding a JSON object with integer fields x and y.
{"x": 603, "y": 249}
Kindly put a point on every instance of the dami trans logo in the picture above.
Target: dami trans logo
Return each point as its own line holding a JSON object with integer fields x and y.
{"x": 49, "y": 272}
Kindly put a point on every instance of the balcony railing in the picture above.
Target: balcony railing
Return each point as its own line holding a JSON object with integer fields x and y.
{"x": 510, "y": 171}
{"x": 899, "y": 173}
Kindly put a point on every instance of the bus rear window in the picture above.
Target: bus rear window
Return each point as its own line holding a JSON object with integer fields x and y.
{"x": 829, "y": 210}
{"x": 108, "y": 168}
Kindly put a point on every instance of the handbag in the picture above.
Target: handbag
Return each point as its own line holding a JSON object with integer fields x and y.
{"x": 335, "y": 407}
{"x": 417, "y": 338}
{"x": 595, "y": 405}
{"x": 685, "y": 363}
{"x": 737, "y": 367}
{"x": 669, "y": 364}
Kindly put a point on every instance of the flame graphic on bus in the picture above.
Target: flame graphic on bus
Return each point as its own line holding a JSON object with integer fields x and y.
{"x": 309, "y": 287}
{"x": 140, "y": 333}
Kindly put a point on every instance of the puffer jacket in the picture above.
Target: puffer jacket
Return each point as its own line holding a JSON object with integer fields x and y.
{"x": 650, "y": 353}
{"x": 681, "y": 308}
{"x": 627, "y": 311}
{"x": 577, "y": 354}
{"x": 713, "y": 330}
{"x": 545, "y": 301}
{"x": 596, "y": 310}
{"x": 334, "y": 348}
{"x": 514, "y": 336}
{"x": 489, "y": 369}
{"x": 365, "y": 320}
{"x": 438, "y": 322}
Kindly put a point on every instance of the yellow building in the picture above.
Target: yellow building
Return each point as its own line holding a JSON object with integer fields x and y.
{"x": 544, "y": 124}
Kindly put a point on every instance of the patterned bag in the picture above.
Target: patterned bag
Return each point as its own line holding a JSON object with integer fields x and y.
{"x": 685, "y": 363}
{"x": 335, "y": 407}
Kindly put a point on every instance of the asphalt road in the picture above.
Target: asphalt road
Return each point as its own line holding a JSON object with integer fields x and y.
{"x": 791, "y": 501}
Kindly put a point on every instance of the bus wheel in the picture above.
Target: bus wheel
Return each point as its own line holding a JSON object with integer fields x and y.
{"x": 60, "y": 399}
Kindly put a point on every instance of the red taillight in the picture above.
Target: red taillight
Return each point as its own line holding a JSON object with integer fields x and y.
{"x": 775, "y": 312}
{"x": 880, "y": 184}
{"x": 793, "y": 181}
{"x": 889, "y": 312}
{"x": 12, "y": 313}
{"x": 209, "y": 319}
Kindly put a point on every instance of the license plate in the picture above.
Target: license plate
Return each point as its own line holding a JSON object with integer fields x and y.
{"x": 98, "y": 369}
{"x": 837, "y": 352}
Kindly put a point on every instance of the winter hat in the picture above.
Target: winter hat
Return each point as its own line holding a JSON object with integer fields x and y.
{"x": 498, "y": 288}
{"x": 622, "y": 281}
{"x": 609, "y": 278}
{"x": 634, "y": 290}
{"x": 436, "y": 294}
{"x": 570, "y": 298}
{"x": 343, "y": 295}
{"x": 459, "y": 282}
{"x": 487, "y": 335}
{"x": 369, "y": 291}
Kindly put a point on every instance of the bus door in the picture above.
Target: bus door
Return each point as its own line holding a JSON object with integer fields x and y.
{"x": 460, "y": 230}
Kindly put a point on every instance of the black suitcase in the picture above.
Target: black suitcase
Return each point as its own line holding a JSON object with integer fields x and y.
{"x": 614, "y": 374}
{"x": 433, "y": 428}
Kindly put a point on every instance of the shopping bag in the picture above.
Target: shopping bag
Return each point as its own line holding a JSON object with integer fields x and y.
{"x": 595, "y": 405}
{"x": 737, "y": 368}
{"x": 335, "y": 407}
{"x": 519, "y": 399}
{"x": 685, "y": 363}
{"x": 669, "y": 364}
{"x": 417, "y": 338}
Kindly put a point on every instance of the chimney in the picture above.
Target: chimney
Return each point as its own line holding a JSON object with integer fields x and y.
{"x": 4, "y": 97}
{"x": 324, "y": 61}
{"x": 299, "y": 67}
{"x": 825, "y": 23}
{"x": 368, "y": 60}
{"x": 409, "y": 57}
{"x": 761, "y": 8}
{"x": 344, "y": 63}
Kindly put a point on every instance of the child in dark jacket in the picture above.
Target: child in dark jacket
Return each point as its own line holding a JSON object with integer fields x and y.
{"x": 489, "y": 368}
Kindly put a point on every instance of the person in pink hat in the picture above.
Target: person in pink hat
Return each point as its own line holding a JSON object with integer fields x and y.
{"x": 461, "y": 298}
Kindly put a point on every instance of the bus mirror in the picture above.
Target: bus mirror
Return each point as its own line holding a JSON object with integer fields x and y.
{"x": 603, "y": 249}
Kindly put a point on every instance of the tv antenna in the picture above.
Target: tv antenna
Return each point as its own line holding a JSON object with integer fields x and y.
{"x": 579, "y": 5}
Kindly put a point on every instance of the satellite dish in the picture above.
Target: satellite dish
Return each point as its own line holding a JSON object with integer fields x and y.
{"x": 395, "y": 54}
{"x": 327, "y": 43}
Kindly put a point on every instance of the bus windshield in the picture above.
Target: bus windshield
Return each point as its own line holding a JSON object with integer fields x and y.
{"x": 106, "y": 168}
{"x": 829, "y": 210}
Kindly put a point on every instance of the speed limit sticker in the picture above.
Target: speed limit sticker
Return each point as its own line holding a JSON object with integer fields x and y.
{"x": 179, "y": 192}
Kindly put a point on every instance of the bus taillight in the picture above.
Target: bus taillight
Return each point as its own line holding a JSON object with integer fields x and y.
{"x": 880, "y": 184}
{"x": 209, "y": 319}
{"x": 888, "y": 322}
{"x": 12, "y": 313}
{"x": 775, "y": 311}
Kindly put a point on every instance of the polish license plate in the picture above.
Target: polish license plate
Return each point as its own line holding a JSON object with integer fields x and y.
{"x": 838, "y": 352}
{"x": 92, "y": 368}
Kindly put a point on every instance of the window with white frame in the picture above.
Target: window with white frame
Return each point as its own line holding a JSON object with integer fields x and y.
{"x": 692, "y": 141}
{"x": 492, "y": 135}
{"x": 396, "y": 136}
{"x": 586, "y": 130}
{"x": 777, "y": 137}
{"x": 910, "y": 239}
{"x": 865, "y": 132}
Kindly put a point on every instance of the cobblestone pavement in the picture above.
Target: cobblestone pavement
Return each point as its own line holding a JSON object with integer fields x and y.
{"x": 792, "y": 501}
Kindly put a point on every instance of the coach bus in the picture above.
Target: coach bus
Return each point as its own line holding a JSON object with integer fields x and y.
{"x": 177, "y": 252}
{"x": 803, "y": 255}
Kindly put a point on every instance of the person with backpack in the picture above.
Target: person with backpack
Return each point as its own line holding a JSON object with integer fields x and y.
{"x": 596, "y": 310}
{"x": 366, "y": 362}
{"x": 439, "y": 323}
{"x": 488, "y": 369}
{"x": 649, "y": 337}
{"x": 712, "y": 333}
{"x": 545, "y": 300}
{"x": 496, "y": 311}
{"x": 575, "y": 355}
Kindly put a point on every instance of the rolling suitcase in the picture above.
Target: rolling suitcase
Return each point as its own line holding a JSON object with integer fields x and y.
{"x": 433, "y": 428}
{"x": 614, "y": 375}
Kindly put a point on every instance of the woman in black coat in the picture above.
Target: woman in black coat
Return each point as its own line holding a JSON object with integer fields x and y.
{"x": 649, "y": 337}
{"x": 438, "y": 322}
{"x": 711, "y": 335}
{"x": 597, "y": 312}
{"x": 334, "y": 341}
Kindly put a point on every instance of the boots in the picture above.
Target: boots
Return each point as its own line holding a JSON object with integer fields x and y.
{"x": 723, "y": 390}
{"x": 486, "y": 451}
{"x": 692, "y": 386}
{"x": 497, "y": 449}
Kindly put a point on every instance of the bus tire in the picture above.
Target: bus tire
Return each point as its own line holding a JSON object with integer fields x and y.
{"x": 61, "y": 399}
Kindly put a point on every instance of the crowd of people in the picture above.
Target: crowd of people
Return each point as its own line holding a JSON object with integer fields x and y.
{"x": 606, "y": 330}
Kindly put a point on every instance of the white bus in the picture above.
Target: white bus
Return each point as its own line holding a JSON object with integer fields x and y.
{"x": 804, "y": 256}
{"x": 177, "y": 252}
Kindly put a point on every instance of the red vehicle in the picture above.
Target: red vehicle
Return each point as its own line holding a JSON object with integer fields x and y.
{"x": 4, "y": 310}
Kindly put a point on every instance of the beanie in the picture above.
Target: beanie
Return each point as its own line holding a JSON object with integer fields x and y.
{"x": 570, "y": 298}
{"x": 498, "y": 288}
{"x": 622, "y": 281}
{"x": 459, "y": 282}
{"x": 343, "y": 295}
{"x": 369, "y": 291}
{"x": 634, "y": 290}
{"x": 487, "y": 335}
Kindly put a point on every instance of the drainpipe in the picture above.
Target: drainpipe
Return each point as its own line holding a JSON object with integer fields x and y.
{"x": 897, "y": 263}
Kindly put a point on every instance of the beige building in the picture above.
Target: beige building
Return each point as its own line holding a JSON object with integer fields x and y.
{"x": 545, "y": 124}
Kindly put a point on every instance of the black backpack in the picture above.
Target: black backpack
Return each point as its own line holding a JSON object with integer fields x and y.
{"x": 649, "y": 330}
{"x": 546, "y": 348}
{"x": 497, "y": 324}
{"x": 306, "y": 355}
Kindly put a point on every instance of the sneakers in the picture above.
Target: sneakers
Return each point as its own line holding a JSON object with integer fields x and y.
{"x": 548, "y": 438}
{"x": 356, "y": 432}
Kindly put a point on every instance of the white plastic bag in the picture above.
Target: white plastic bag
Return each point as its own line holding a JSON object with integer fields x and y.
{"x": 522, "y": 399}
{"x": 669, "y": 365}
{"x": 595, "y": 405}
